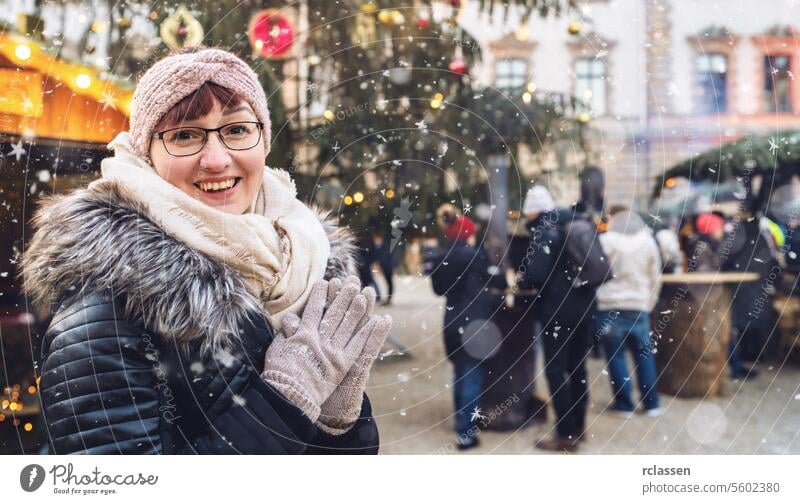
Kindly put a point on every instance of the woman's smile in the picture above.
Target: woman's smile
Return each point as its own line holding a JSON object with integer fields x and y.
{"x": 217, "y": 188}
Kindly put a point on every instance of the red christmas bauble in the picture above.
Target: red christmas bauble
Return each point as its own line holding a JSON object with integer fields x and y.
{"x": 271, "y": 33}
{"x": 423, "y": 23}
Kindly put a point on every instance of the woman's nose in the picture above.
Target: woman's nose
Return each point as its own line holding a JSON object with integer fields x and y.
{"x": 214, "y": 156}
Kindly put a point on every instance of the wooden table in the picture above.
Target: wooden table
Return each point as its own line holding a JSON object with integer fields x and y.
{"x": 691, "y": 327}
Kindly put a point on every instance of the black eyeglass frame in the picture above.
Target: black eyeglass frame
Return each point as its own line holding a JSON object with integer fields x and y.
{"x": 207, "y": 131}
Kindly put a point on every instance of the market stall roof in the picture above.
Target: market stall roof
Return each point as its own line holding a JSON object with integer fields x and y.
{"x": 747, "y": 155}
{"x": 44, "y": 96}
{"x": 81, "y": 79}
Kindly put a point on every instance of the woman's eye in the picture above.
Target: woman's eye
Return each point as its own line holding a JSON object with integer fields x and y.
{"x": 184, "y": 135}
{"x": 239, "y": 129}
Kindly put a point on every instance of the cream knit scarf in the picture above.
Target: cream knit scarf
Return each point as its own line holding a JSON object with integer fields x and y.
{"x": 279, "y": 249}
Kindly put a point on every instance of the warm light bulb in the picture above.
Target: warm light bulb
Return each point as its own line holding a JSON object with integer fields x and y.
{"x": 22, "y": 52}
{"x": 358, "y": 197}
{"x": 83, "y": 81}
{"x": 348, "y": 200}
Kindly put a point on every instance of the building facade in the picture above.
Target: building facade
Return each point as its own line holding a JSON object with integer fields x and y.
{"x": 660, "y": 80}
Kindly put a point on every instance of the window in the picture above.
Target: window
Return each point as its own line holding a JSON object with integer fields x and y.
{"x": 712, "y": 81}
{"x": 590, "y": 85}
{"x": 510, "y": 74}
{"x": 777, "y": 83}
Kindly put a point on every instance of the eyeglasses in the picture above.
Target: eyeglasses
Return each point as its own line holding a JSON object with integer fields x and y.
{"x": 191, "y": 140}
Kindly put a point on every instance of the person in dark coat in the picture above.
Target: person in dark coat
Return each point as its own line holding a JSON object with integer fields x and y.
{"x": 160, "y": 345}
{"x": 703, "y": 256}
{"x": 462, "y": 273}
{"x": 383, "y": 254}
{"x": 566, "y": 312}
{"x": 752, "y": 247}
{"x": 366, "y": 256}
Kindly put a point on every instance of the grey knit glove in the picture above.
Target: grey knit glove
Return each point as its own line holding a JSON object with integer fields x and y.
{"x": 343, "y": 407}
{"x": 308, "y": 365}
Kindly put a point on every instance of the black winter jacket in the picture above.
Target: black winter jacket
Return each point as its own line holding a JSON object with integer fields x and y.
{"x": 154, "y": 347}
{"x": 463, "y": 274}
{"x": 548, "y": 269}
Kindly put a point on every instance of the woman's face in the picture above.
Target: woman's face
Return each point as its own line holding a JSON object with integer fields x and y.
{"x": 215, "y": 163}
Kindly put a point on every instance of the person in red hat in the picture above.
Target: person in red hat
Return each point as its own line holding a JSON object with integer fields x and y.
{"x": 462, "y": 229}
{"x": 462, "y": 272}
{"x": 703, "y": 247}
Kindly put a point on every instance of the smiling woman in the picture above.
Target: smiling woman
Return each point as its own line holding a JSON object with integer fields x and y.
{"x": 193, "y": 254}
{"x": 224, "y": 172}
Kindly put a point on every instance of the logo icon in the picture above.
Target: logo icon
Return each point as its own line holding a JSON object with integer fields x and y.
{"x": 31, "y": 477}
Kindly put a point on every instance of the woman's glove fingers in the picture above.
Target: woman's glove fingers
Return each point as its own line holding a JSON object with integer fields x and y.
{"x": 315, "y": 306}
{"x": 336, "y": 311}
{"x": 334, "y": 286}
{"x": 343, "y": 336}
{"x": 290, "y": 324}
{"x": 377, "y": 337}
{"x": 343, "y": 407}
{"x": 371, "y": 296}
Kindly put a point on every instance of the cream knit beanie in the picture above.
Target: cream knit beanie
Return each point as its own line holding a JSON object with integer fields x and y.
{"x": 178, "y": 75}
{"x": 538, "y": 200}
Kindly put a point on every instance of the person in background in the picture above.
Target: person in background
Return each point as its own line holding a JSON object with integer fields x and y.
{"x": 702, "y": 245}
{"x": 624, "y": 304}
{"x": 366, "y": 256}
{"x": 383, "y": 254}
{"x": 670, "y": 248}
{"x": 566, "y": 312}
{"x": 703, "y": 256}
{"x": 462, "y": 274}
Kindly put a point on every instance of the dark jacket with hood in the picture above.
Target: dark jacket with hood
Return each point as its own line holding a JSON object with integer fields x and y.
{"x": 463, "y": 275}
{"x": 154, "y": 347}
{"x": 548, "y": 268}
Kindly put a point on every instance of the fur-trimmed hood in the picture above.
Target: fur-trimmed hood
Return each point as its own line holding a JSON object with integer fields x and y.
{"x": 99, "y": 239}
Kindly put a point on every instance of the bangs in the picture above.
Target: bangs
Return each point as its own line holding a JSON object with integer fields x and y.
{"x": 200, "y": 103}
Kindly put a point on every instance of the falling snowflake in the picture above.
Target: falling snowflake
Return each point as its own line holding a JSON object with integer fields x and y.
{"x": 421, "y": 125}
{"x": 476, "y": 415}
{"x": 773, "y": 145}
{"x": 17, "y": 150}
{"x": 108, "y": 100}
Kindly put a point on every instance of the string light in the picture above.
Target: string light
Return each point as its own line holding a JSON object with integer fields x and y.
{"x": 358, "y": 197}
{"x": 83, "y": 81}
{"x": 23, "y": 52}
{"x": 348, "y": 200}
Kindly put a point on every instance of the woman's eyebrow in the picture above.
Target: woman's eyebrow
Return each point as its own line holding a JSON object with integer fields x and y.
{"x": 241, "y": 108}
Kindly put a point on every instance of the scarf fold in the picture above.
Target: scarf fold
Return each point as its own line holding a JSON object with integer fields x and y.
{"x": 279, "y": 248}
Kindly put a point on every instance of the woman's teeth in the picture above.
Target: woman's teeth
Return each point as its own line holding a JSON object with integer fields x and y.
{"x": 216, "y": 186}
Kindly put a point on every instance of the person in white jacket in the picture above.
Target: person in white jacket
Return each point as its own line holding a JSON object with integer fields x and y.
{"x": 624, "y": 303}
